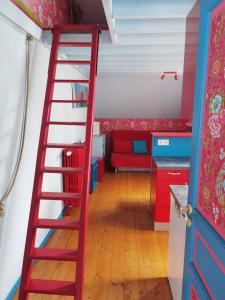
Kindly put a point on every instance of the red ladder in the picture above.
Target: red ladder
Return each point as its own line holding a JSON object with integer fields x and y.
{"x": 75, "y": 288}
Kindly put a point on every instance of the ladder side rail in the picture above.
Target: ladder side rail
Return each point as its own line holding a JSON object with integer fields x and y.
{"x": 87, "y": 170}
{"x": 38, "y": 178}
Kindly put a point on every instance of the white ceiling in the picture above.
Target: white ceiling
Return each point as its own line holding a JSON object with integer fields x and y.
{"x": 144, "y": 35}
{"x": 147, "y": 35}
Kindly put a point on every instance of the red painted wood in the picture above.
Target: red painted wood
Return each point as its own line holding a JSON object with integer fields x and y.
{"x": 173, "y": 175}
{"x": 70, "y": 101}
{"x": 75, "y": 288}
{"x": 75, "y": 145}
{"x": 57, "y": 224}
{"x": 71, "y": 81}
{"x": 38, "y": 177}
{"x": 60, "y": 170}
{"x": 53, "y": 254}
{"x": 59, "y": 196}
{"x": 160, "y": 194}
{"x": 67, "y": 123}
{"x": 87, "y": 168}
{"x": 54, "y": 287}
{"x": 73, "y": 62}
{"x": 75, "y": 44}
{"x": 162, "y": 214}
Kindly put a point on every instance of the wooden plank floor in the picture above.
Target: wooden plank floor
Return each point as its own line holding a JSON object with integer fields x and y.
{"x": 126, "y": 259}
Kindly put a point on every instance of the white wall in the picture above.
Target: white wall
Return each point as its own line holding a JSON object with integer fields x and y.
{"x": 11, "y": 11}
{"x": 137, "y": 96}
{"x": 13, "y": 225}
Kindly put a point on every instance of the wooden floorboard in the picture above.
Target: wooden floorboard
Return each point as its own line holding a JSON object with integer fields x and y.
{"x": 126, "y": 259}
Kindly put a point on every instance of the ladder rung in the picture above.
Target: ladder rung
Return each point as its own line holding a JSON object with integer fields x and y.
{"x": 71, "y": 81}
{"x": 67, "y": 123}
{"x": 75, "y": 44}
{"x": 54, "y": 287}
{"x": 63, "y": 170}
{"x": 59, "y": 196}
{"x": 73, "y": 62}
{"x": 53, "y": 254}
{"x": 70, "y": 101}
{"x": 57, "y": 224}
{"x": 65, "y": 146}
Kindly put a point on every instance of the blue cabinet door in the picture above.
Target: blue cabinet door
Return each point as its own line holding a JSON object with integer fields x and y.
{"x": 204, "y": 271}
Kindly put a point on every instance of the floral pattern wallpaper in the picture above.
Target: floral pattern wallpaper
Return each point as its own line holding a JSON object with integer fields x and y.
{"x": 211, "y": 201}
{"x": 46, "y": 13}
{"x": 107, "y": 125}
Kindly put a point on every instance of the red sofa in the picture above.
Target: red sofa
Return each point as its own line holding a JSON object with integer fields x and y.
{"x": 122, "y": 155}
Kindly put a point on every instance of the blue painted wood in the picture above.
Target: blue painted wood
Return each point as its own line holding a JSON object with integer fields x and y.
{"x": 198, "y": 285}
{"x": 198, "y": 222}
{"x": 178, "y": 147}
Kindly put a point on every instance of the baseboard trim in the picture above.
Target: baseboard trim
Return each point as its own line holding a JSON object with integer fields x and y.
{"x": 158, "y": 226}
{"x": 15, "y": 287}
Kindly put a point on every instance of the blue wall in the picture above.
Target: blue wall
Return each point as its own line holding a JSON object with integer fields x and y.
{"x": 178, "y": 147}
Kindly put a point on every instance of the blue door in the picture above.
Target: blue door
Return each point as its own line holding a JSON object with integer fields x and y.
{"x": 204, "y": 271}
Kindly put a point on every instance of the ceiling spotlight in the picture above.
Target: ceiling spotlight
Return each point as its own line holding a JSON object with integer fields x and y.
{"x": 169, "y": 73}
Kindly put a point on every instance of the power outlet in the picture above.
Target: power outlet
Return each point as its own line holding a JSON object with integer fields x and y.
{"x": 163, "y": 142}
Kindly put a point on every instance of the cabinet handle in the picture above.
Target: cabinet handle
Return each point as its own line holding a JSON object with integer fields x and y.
{"x": 173, "y": 173}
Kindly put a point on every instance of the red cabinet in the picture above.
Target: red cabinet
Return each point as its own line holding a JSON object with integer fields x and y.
{"x": 160, "y": 194}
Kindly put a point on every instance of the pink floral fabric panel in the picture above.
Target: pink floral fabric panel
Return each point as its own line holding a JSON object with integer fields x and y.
{"x": 107, "y": 125}
{"x": 46, "y": 13}
{"x": 211, "y": 200}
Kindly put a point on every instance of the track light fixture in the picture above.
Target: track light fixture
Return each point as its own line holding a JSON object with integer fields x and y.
{"x": 169, "y": 73}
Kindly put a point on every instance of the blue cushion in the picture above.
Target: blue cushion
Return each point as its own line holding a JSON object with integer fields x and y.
{"x": 139, "y": 147}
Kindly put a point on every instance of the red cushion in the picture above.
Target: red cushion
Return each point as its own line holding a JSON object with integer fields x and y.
{"x": 120, "y": 146}
{"x": 120, "y": 160}
{"x": 130, "y": 135}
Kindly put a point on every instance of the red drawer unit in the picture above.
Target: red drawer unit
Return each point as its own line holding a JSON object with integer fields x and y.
{"x": 162, "y": 214}
{"x": 180, "y": 175}
{"x": 160, "y": 193}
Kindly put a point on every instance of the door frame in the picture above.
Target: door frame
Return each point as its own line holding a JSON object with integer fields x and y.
{"x": 206, "y": 7}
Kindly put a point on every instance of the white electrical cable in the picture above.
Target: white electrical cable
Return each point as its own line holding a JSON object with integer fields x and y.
{"x": 23, "y": 128}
